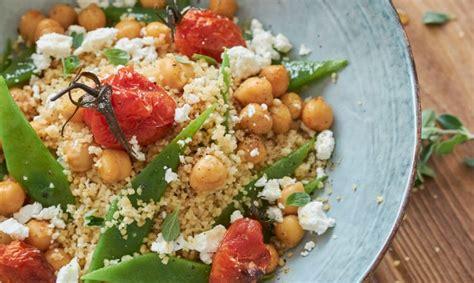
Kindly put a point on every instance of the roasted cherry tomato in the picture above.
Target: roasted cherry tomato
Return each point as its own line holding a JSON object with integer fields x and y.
{"x": 142, "y": 108}
{"x": 20, "y": 262}
{"x": 242, "y": 255}
{"x": 204, "y": 32}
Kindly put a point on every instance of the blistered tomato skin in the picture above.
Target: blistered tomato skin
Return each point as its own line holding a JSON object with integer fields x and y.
{"x": 204, "y": 32}
{"x": 22, "y": 263}
{"x": 242, "y": 256}
{"x": 142, "y": 108}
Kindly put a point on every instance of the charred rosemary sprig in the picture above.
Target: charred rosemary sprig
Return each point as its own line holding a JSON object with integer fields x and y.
{"x": 173, "y": 17}
{"x": 99, "y": 99}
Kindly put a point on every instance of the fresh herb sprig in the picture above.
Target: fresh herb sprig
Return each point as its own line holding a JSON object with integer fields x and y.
{"x": 170, "y": 227}
{"x": 439, "y": 135}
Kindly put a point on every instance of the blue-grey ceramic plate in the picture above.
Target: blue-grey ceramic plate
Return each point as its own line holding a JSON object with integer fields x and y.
{"x": 377, "y": 114}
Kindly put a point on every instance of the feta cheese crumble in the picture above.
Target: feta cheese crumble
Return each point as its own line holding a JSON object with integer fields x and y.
{"x": 96, "y": 40}
{"x": 136, "y": 149}
{"x": 304, "y": 50}
{"x": 312, "y": 218}
{"x": 14, "y": 229}
{"x": 27, "y": 212}
{"x": 69, "y": 273}
{"x": 243, "y": 63}
{"x": 161, "y": 246}
{"x": 207, "y": 243}
{"x": 236, "y": 215}
{"x": 139, "y": 49}
{"x": 55, "y": 45}
{"x": 170, "y": 176}
{"x": 265, "y": 45}
{"x": 75, "y": 28}
{"x": 271, "y": 191}
{"x": 124, "y": 3}
{"x": 41, "y": 61}
{"x": 324, "y": 145}
{"x": 254, "y": 152}
{"x": 181, "y": 114}
{"x": 274, "y": 213}
{"x": 85, "y": 3}
{"x": 308, "y": 247}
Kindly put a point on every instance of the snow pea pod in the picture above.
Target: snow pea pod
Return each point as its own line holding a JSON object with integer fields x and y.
{"x": 151, "y": 269}
{"x": 151, "y": 180}
{"x": 225, "y": 72}
{"x": 28, "y": 160}
{"x": 303, "y": 73}
{"x": 281, "y": 168}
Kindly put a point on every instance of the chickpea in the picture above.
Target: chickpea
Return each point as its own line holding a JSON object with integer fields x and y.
{"x": 289, "y": 232}
{"x": 226, "y": 8}
{"x": 67, "y": 109}
{"x": 281, "y": 117}
{"x": 57, "y": 258}
{"x": 256, "y": 119}
{"x": 285, "y": 193}
{"x": 5, "y": 239}
{"x": 274, "y": 258}
{"x": 278, "y": 77}
{"x": 92, "y": 18}
{"x": 128, "y": 28}
{"x": 254, "y": 90}
{"x": 39, "y": 234}
{"x": 317, "y": 114}
{"x": 63, "y": 14}
{"x": 159, "y": 31}
{"x": 12, "y": 197}
{"x": 172, "y": 74}
{"x": 294, "y": 103}
{"x": 78, "y": 157}
{"x": 254, "y": 149}
{"x": 28, "y": 23}
{"x": 48, "y": 26}
{"x": 114, "y": 165}
{"x": 208, "y": 174}
{"x": 153, "y": 3}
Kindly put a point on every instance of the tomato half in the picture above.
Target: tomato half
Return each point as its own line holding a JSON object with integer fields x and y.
{"x": 142, "y": 108}
{"x": 242, "y": 255}
{"x": 21, "y": 263}
{"x": 204, "y": 32}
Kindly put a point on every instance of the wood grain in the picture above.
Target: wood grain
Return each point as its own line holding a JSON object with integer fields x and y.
{"x": 436, "y": 240}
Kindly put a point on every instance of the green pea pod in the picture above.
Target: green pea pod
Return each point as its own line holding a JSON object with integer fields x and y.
{"x": 225, "y": 91}
{"x": 303, "y": 73}
{"x": 282, "y": 168}
{"x": 151, "y": 180}
{"x": 149, "y": 268}
{"x": 28, "y": 159}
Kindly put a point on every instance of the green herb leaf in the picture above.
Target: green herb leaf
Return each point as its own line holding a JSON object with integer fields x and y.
{"x": 450, "y": 122}
{"x": 117, "y": 56}
{"x": 77, "y": 39}
{"x": 435, "y": 18}
{"x": 70, "y": 64}
{"x": 298, "y": 199}
{"x": 182, "y": 59}
{"x": 469, "y": 162}
{"x": 170, "y": 227}
{"x": 447, "y": 146}
{"x": 428, "y": 118}
{"x": 209, "y": 60}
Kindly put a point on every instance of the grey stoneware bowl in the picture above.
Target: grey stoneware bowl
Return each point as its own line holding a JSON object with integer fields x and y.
{"x": 376, "y": 121}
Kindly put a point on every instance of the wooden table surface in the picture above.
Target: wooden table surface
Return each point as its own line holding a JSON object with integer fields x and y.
{"x": 436, "y": 240}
